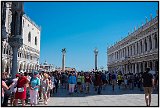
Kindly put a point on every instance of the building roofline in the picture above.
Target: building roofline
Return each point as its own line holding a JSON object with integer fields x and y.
{"x": 131, "y": 34}
{"x": 32, "y": 22}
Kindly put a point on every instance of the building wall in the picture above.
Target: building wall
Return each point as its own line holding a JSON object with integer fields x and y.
{"x": 137, "y": 51}
{"x": 29, "y": 53}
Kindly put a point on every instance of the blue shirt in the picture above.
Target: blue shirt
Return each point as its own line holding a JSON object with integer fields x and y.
{"x": 72, "y": 80}
{"x": 35, "y": 82}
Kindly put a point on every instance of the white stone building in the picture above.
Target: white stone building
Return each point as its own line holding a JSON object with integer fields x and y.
{"x": 137, "y": 51}
{"x": 29, "y": 53}
{"x": 47, "y": 67}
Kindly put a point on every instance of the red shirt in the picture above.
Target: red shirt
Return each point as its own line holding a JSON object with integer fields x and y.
{"x": 21, "y": 81}
{"x": 88, "y": 78}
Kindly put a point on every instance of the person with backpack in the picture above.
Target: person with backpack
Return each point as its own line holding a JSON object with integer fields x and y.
{"x": 114, "y": 80}
{"x": 148, "y": 85}
{"x": 34, "y": 86}
{"x": 119, "y": 78}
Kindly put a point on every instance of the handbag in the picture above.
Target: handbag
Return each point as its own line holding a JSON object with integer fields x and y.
{"x": 21, "y": 89}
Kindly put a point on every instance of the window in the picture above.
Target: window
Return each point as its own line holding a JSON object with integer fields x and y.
{"x": 131, "y": 50}
{"x": 128, "y": 50}
{"x": 141, "y": 46}
{"x": 35, "y": 40}
{"x": 23, "y": 23}
{"x": 29, "y": 37}
{"x": 137, "y": 48}
{"x": 145, "y": 44}
{"x": 150, "y": 43}
{"x": 134, "y": 50}
{"x": 156, "y": 41}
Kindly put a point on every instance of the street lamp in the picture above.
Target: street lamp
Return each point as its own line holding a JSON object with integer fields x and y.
{"x": 96, "y": 54}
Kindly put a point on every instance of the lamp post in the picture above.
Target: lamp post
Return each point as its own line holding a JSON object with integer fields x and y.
{"x": 15, "y": 40}
{"x": 96, "y": 54}
{"x": 63, "y": 59}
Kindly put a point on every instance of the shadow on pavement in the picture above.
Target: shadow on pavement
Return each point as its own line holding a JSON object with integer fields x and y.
{"x": 108, "y": 91}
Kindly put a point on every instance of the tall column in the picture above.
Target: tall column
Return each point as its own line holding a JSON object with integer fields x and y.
{"x": 153, "y": 65}
{"x": 135, "y": 68}
{"x": 143, "y": 45}
{"x": 153, "y": 41}
{"x": 63, "y": 59}
{"x": 143, "y": 66}
{"x": 96, "y": 54}
{"x": 16, "y": 40}
{"x": 148, "y": 43}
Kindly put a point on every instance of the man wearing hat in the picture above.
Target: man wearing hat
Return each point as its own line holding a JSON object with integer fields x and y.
{"x": 34, "y": 86}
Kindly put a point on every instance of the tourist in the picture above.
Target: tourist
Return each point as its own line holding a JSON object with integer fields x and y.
{"x": 45, "y": 87}
{"x": 13, "y": 89}
{"x": 125, "y": 81}
{"x": 21, "y": 89}
{"x": 50, "y": 87}
{"x": 56, "y": 81}
{"x": 119, "y": 78}
{"x": 82, "y": 82}
{"x": 27, "y": 87}
{"x": 72, "y": 81}
{"x": 99, "y": 82}
{"x": 103, "y": 81}
{"x": 7, "y": 93}
{"x": 4, "y": 88}
{"x": 34, "y": 86}
{"x": 87, "y": 82}
{"x": 113, "y": 80}
{"x": 79, "y": 84}
{"x": 65, "y": 80}
{"x": 148, "y": 83}
{"x": 53, "y": 84}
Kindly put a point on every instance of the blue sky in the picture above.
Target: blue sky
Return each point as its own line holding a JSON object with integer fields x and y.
{"x": 81, "y": 26}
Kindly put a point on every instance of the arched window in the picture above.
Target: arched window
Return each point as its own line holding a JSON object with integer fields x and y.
{"x": 29, "y": 37}
{"x": 35, "y": 40}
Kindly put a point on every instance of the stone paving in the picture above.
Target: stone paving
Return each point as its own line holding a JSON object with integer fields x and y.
{"x": 119, "y": 97}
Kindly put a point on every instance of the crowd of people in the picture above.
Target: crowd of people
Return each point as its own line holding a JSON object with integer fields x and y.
{"x": 36, "y": 86}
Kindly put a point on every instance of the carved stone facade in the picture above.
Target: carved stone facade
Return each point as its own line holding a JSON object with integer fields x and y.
{"x": 29, "y": 52}
{"x": 137, "y": 51}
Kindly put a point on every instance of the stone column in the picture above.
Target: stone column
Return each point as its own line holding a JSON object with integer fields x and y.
{"x": 153, "y": 65}
{"x": 148, "y": 43}
{"x": 136, "y": 68}
{"x": 148, "y": 64}
{"x": 143, "y": 66}
{"x": 143, "y": 46}
{"x": 16, "y": 40}
{"x": 96, "y": 55}
{"x": 132, "y": 68}
{"x": 63, "y": 59}
{"x": 153, "y": 41}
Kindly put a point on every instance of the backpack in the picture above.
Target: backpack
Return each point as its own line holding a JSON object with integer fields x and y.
{"x": 113, "y": 76}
